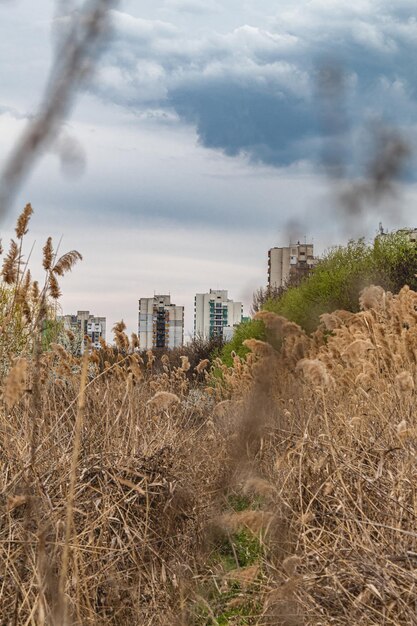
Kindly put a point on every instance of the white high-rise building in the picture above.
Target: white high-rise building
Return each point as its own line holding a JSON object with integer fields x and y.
{"x": 215, "y": 315}
{"x": 85, "y": 325}
{"x": 284, "y": 262}
{"x": 161, "y": 324}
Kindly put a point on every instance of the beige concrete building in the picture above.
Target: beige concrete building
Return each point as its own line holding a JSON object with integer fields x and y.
{"x": 161, "y": 323}
{"x": 83, "y": 325}
{"x": 296, "y": 259}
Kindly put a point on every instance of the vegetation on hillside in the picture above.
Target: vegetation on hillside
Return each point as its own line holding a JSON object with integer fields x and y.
{"x": 336, "y": 283}
{"x": 389, "y": 261}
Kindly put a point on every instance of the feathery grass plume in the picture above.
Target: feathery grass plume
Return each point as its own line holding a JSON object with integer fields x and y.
{"x": 402, "y": 428}
{"x": 94, "y": 357}
{"x": 35, "y": 291}
{"x": 358, "y": 348}
{"x": 120, "y": 337}
{"x": 372, "y": 297}
{"x": 14, "y": 502}
{"x": 255, "y": 485}
{"x": 1, "y": 247}
{"x": 364, "y": 380}
{"x": 27, "y": 282}
{"x": 255, "y": 521}
{"x": 185, "y": 363}
{"x": 134, "y": 341}
{"x": 48, "y": 254}
{"x": 162, "y": 400}
{"x": 202, "y": 366}
{"x": 150, "y": 358}
{"x": 245, "y": 576}
{"x": 290, "y": 564}
{"x": 135, "y": 367}
{"x": 404, "y": 382}
{"x": 222, "y": 408}
{"x": 271, "y": 320}
{"x": 59, "y": 351}
{"x": 278, "y": 324}
{"x": 119, "y": 326}
{"x": 258, "y": 347}
{"x": 334, "y": 320}
{"x": 15, "y": 382}
{"x": 53, "y": 285}
{"x": 66, "y": 262}
{"x": 314, "y": 371}
{"x": 23, "y": 294}
{"x": 70, "y": 334}
{"x": 121, "y": 340}
{"x": 27, "y": 311}
{"x": 23, "y": 221}
{"x": 11, "y": 264}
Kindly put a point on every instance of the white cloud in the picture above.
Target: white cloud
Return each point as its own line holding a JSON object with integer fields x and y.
{"x": 198, "y": 7}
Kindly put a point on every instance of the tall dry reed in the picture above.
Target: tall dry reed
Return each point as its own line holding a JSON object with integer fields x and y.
{"x": 142, "y": 491}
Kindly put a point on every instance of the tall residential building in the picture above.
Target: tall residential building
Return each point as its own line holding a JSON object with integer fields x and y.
{"x": 296, "y": 259}
{"x": 161, "y": 324}
{"x": 85, "y": 325}
{"x": 215, "y": 315}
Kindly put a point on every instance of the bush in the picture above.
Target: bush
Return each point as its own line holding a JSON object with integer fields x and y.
{"x": 197, "y": 350}
{"x": 250, "y": 329}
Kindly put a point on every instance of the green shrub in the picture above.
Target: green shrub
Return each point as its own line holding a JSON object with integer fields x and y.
{"x": 250, "y": 329}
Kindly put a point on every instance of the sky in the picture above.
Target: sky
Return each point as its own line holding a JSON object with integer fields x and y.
{"x": 200, "y": 139}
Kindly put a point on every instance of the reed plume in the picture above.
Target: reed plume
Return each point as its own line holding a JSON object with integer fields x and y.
{"x": 66, "y": 262}
{"x": 48, "y": 254}
{"x": 11, "y": 264}
{"x": 23, "y": 221}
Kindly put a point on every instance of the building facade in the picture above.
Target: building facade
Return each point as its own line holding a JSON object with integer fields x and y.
{"x": 294, "y": 260}
{"x": 215, "y": 315}
{"x": 161, "y": 323}
{"x": 85, "y": 325}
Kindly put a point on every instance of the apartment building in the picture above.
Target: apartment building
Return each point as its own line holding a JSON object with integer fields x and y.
{"x": 294, "y": 260}
{"x": 83, "y": 325}
{"x": 215, "y": 315}
{"x": 161, "y": 323}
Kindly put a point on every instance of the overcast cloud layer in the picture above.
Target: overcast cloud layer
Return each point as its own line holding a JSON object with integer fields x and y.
{"x": 255, "y": 89}
{"x": 198, "y": 142}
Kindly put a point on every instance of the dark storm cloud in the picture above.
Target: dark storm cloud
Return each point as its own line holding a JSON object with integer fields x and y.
{"x": 245, "y": 118}
{"x": 254, "y": 91}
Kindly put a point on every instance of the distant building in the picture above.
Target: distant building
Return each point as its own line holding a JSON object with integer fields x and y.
{"x": 296, "y": 259}
{"x": 85, "y": 325}
{"x": 410, "y": 233}
{"x": 161, "y": 324}
{"x": 215, "y": 315}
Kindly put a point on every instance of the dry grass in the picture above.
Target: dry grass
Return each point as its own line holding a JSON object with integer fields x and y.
{"x": 279, "y": 491}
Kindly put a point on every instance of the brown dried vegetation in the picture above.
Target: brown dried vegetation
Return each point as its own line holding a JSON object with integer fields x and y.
{"x": 277, "y": 491}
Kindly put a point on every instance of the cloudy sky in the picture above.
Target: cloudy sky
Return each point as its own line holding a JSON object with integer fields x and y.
{"x": 198, "y": 142}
